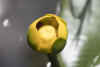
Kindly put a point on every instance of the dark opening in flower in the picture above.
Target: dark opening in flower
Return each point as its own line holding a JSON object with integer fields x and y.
{"x": 44, "y": 34}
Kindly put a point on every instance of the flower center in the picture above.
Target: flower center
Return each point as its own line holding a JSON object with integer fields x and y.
{"x": 47, "y": 32}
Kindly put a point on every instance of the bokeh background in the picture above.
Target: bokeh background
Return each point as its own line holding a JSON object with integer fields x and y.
{"x": 15, "y": 18}
{"x": 83, "y": 22}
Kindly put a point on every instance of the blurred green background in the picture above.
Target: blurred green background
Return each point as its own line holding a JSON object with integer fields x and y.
{"x": 83, "y": 44}
{"x": 83, "y": 22}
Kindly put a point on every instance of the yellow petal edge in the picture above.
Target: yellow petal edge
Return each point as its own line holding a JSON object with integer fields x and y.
{"x": 43, "y": 38}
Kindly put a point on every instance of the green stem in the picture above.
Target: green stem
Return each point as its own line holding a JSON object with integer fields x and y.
{"x": 53, "y": 59}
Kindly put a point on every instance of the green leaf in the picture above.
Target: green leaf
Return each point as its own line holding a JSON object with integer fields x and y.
{"x": 58, "y": 45}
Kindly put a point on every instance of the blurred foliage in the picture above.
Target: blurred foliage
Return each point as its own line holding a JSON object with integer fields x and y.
{"x": 83, "y": 44}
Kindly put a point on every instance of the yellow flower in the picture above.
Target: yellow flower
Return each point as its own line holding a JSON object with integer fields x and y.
{"x": 47, "y": 34}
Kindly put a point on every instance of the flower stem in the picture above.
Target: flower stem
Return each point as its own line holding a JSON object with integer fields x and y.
{"x": 53, "y": 59}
